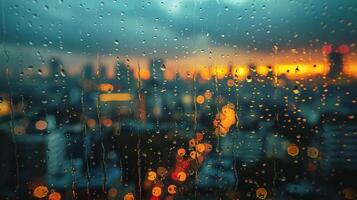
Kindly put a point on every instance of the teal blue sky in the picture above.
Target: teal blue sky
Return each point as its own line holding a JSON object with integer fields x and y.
{"x": 173, "y": 27}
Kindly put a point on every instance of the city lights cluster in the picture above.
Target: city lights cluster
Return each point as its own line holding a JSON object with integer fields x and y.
{"x": 42, "y": 191}
{"x": 225, "y": 119}
{"x": 166, "y": 182}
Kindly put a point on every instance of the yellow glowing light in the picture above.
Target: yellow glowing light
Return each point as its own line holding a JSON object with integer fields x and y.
{"x": 151, "y": 176}
{"x": 115, "y": 97}
{"x": 205, "y": 73}
{"x": 296, "y": 71}
{"x": 262, "y": 70}
{"x": 186, "y": 99}
{"x": 219, "y": 71}
{"x": 350, "y": 69}
{"x": 296, "y": 90}
{"x": 224, "y": 120}
{"x": 240, "y": 72}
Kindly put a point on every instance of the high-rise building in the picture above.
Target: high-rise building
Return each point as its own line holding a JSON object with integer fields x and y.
{"x": 336, "y": 64}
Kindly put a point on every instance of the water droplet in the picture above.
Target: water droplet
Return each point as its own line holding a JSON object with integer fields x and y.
{"x": 249, "y": 79}
{"x": 296, "y": 90}
{"x": 63, "y": 73}
{"x": 163, "y": 67}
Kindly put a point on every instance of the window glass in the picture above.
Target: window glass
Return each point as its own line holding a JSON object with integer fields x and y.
{"x": 178, "y": 99}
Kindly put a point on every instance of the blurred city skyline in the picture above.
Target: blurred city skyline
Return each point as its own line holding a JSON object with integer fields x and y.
{"x": 183, "y": 30}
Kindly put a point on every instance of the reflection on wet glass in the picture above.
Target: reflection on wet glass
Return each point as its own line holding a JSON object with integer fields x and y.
{"x": 228, "y": 99}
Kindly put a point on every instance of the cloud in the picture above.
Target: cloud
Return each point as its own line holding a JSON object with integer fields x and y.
{"x": 177, "y": 27}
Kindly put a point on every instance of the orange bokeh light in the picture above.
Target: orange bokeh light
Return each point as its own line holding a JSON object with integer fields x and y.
{"x": 54, "y": 196}
{"x": 350, "y": 69}
{"x": 40, "y": 191}
{"x": 91, "y": 123}
{"x": 205, "y": 73}
{"x": 219, "y": 71}
{"x": 293, "y": 150}
{"x": 144, "y": 74}
{"x": 240, "y": 72}
{"x": 105, "y": 87}
{"x": 296, "y": 71}
{"x": 200, "y": 99}
{"x": 107, "y": 122}
{"x": 4, "y": 108}
{"x": 187, "y": 73}
{"x": 169, "y": 74}
{"x": 110, "y": 97}
{"x": 41, "y": 125}
{"x": 262, "y": 70}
